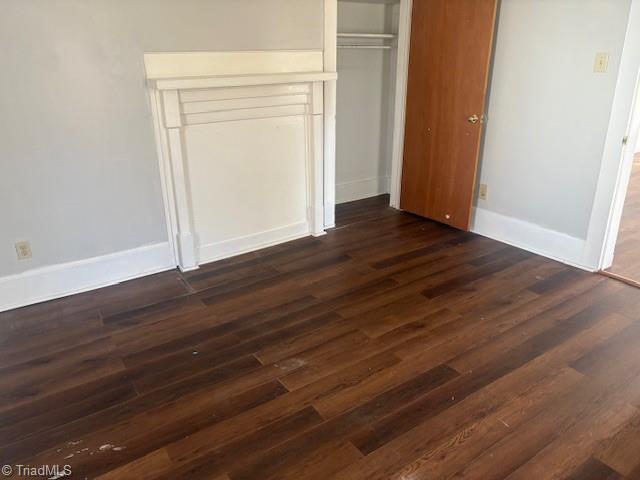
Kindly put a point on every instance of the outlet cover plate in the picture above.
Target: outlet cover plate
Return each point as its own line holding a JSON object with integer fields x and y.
{"x": 23, "y": 249}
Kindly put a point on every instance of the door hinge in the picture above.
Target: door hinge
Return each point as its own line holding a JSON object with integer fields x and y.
{"x": 625, "y": 140}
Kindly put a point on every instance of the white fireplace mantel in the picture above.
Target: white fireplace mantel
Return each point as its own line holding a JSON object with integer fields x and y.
{"x": 193, "y": 90}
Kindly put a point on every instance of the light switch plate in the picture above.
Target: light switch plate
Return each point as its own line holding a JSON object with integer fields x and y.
{"x": 484, "y": 190}
{"x": 602, "y": 62}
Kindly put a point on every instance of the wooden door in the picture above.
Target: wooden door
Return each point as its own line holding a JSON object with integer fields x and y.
{"x": 449, "y": 63}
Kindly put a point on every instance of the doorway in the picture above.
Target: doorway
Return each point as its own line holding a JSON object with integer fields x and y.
{"x": 622, "y": 252}
{"x": 626, "y": 259}
{"x": 370, "y": 52}
{"x": 367, "y": 47}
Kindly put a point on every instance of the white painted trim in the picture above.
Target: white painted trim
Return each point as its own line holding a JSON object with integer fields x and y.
{"x": 528, "y": 236}
{"x": 402, "y": 76}
{"x": 622, "y": 186}
{"x": 606, "y": 209}
{"x": 166, "y": 183}
{"x": 225, "y": 105}
{"x": 227, "y": 100}
{"x": 196, "y": 64}
{"x": 186, "y": 83}
{"x": 188, "y": 97}
{"x": 237, "y": 246}
{"x": 330, "y": 98}
{"x": 185, "y": 238}
{"x": 244, "y": 114}
{"x": 47, "y": 283}
{"x": 315, "y": 161}
{"x": 359, "y": 189}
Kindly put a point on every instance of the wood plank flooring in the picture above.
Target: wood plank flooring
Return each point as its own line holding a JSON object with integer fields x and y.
{"x": 391, "y": 348}
{"x": 626, "y": 262}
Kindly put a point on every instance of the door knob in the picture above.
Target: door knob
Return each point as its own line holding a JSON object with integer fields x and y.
{"x": 473, "y": 119}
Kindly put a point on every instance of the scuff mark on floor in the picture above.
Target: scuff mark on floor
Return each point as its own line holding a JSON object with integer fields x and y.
{"x": 107, "y": 446}
{"x": 290, "y": 364}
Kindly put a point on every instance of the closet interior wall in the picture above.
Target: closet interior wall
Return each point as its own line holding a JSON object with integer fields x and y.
{"x": 365, "y": 99}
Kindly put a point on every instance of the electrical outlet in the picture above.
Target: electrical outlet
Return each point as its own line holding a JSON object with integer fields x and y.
{"x": 602, "y": 62}
{"x": 23, "y": 249}
{"x": 483, "y": 191}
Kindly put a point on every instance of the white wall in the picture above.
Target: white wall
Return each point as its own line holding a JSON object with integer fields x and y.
{"x": 549, "y": 114}
{"x": 78, "y": 165}
{"x": 364, "y": 104}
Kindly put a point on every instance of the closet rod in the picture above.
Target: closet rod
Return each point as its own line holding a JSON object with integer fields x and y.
{"x": 367, "y": 47}
{"x": 366, "y": 35}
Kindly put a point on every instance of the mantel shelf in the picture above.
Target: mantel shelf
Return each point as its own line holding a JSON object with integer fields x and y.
{"x": 221, "y": 81}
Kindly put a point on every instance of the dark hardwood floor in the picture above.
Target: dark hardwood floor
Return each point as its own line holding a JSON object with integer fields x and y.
{"x": 393, "y": 347}
{"x": 626, "y": 262}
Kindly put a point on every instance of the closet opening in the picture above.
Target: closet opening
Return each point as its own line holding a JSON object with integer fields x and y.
{"x": 366, "y": 108}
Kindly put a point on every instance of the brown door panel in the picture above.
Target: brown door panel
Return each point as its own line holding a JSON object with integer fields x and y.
{"x": 449, "y": 63}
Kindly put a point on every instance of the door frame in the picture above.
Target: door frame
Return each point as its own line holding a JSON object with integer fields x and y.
{"x": 615, "y": 169}
{"x": 399, "y": 111}
{"x": 622, "y": 184}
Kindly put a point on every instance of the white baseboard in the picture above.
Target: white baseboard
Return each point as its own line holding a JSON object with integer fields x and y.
{"x": 237, "y": 246}
{"x": 531, "y": 237}
{"x": 359, "y": 189}
{"x": 329, "y": 215}
{"x": 47, "y": 283}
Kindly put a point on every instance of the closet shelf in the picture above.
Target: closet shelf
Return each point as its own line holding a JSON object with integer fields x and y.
{"x": 367, "y": 35}
{"x": 366, "y": 47}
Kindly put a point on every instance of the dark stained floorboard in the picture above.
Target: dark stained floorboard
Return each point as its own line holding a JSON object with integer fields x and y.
{"x": 393, "y": 347}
